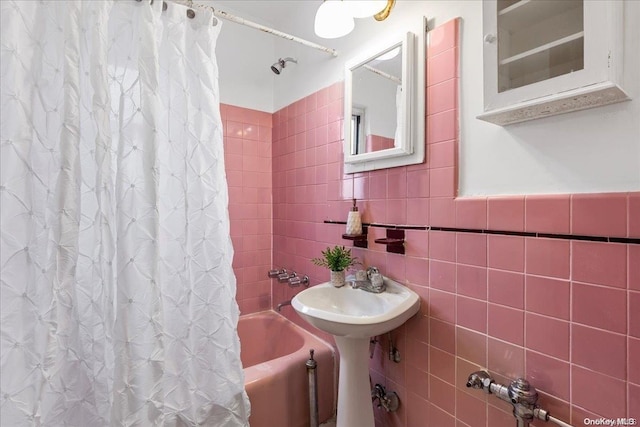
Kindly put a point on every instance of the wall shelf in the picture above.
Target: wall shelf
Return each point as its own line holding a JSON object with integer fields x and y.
{"x": 359, "y": 240}
{"x": 394, "y": 241}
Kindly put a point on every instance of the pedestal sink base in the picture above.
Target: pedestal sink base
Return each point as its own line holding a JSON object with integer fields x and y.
{"x": 354, "y": 394}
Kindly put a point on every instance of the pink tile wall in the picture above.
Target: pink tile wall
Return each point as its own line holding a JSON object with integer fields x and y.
{"x": 564, "y": 313}
{"x": 247, "y": 144}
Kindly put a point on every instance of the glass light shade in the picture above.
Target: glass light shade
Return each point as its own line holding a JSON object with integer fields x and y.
{"x": 333, "y": 20}
{"x": 365, "y": 8}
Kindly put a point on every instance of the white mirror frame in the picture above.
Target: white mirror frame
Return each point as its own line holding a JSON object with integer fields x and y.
{"x": 411, "y": 147}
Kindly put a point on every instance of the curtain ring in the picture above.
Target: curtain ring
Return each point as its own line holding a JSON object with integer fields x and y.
{"x": 191, "y": 14}
{"x": 164, "y": 6}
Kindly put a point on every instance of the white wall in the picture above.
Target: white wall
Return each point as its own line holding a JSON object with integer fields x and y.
{"x": 244, "y": 58}
{"x": 595, "y": 150}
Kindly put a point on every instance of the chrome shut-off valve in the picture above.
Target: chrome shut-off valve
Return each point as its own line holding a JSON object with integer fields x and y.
{"x": 522, "y": 395}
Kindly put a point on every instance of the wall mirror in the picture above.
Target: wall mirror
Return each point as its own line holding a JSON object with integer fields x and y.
{"x": 384, "y": 105}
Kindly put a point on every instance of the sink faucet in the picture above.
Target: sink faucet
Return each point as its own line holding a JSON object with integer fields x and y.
{"x": 374, "y": 282}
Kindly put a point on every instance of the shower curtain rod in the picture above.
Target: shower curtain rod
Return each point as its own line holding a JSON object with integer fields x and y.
{"x": 238, "y": 20}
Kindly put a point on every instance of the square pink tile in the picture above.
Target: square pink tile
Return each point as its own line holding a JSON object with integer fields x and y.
{"x": 471, "y": 213}
{"x": 442, "y": 67}
{"x": 471, "y": 313}
{"x": 442, "y": 305}
{"x": 443, "y": 37}
{"x": 443, "y": 364}
{"x": 417, "y": 243}
{"x": 599, "y": 214}
{"x": 442, "y": 96}
{"x": 505, "y": 252}
{"x": 506, "y": 288}
{"x": 442, "y": 126}
{"x": 601, "y": 394}
{"x": 633, "y": 215}
{"x": 417, "y": 381}
{"x": 505, "y": 359}
{"x": 599, "y": 263}
{"x": 548, "y": 296}
{"x": 506, "y": 213}
{"x": 548, "y": 214}
{"x": 442, "y": 275}
{"x": 471, "y": 249}
{"x": 470, "y": 410}
{"x": 547, "y": 335}
{"x": 442, "y": 182}
{"x": 417, "y": 408}
{"x": 471, "y": 281}
{"x": 418, "y": 211}
{"x": 634, "y": 267}
{"x": 416, "y": 354}
{"x": 442, "y": 245}
{"x": 417, "y": 183}
{"x": 442, "y": 394}
{"x": 438, "y": 417}
{"x": 548, "y": 374}
{"x": 547, "y": 257}
{"x": 417, "y": 271}
{"x": 397, "y": 184}
{"x": 633, "y": 367}
{"x": 442, "y": 212}
{"x": 471, "y": 346}
{"x": 378, "y": 184}
{"x": 397, "y": 213}
{"x": 499, "y": 418}
{"x": 442, "y": 154}
{"x": 600, "y": 307}
{"x": 442, "y": 335}
{"x": 610, "y": 358}
{"x": 634, "y": 314}
{"x": 506, "y": 324}
{"x": 633, "y": 402}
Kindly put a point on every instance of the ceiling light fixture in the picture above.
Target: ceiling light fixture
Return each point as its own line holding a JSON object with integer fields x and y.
{"x": 334, "y": 18}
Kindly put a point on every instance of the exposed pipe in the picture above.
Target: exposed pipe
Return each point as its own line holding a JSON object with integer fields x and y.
{"x": 313, "y": 390}
{"x": 239, "y": 20}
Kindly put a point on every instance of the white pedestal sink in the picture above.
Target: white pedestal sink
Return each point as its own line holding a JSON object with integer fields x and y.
{"x": 352, "y": 316}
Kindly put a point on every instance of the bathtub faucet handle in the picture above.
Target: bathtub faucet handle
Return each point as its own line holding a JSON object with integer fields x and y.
{"x": 283, "y": 278}
{"x": 296, "y": 281}
{"x": 275, "y": 273}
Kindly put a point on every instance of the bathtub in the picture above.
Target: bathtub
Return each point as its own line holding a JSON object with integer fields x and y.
{"x": 274, "y": 352}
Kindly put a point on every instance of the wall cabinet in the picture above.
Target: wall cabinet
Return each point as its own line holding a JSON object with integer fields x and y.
{"x": 546, "y": 57}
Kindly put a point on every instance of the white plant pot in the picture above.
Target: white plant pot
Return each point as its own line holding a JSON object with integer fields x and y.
{"x": 337, "y": 278}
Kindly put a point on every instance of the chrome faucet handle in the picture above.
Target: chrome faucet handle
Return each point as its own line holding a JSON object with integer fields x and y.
{"x": 371, "y": 271}
{"x": 275, "y": 273}
{"x": 296, "y": 281}
{"x": 480, "y": 380}
{"x": 283, "y": 278}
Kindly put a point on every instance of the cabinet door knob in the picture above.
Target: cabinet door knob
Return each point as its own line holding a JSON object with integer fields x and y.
{"x": 490, "y": 38}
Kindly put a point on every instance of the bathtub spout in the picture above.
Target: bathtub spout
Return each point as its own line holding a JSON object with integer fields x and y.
{"x": 282, "y": 304}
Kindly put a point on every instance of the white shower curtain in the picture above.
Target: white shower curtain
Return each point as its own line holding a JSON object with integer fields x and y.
{"x": 117, "y": 291}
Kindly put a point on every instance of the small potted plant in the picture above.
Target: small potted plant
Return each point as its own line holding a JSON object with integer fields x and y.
{"x": 337, "y": 260}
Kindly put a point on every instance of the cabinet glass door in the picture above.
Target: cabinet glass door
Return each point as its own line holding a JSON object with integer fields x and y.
{"x": 538, "y": 40}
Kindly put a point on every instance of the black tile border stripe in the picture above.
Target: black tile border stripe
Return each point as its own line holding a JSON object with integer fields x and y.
{"x": 626, "y": 240}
